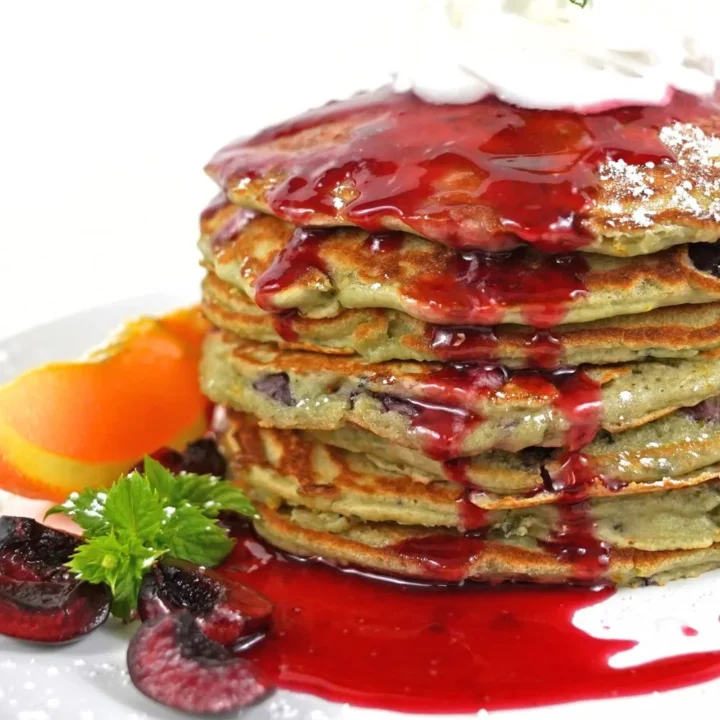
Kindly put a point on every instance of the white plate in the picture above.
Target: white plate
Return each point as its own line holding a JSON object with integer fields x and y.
{"x": 88, "y": 680}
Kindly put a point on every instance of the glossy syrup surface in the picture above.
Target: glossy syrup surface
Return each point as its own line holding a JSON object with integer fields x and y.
{"x": 540, "y": 348}
{"x": 283, "y": 323}
{"x": 443, "y": 428}
{"x": 484, "y": 174}
{"x": 440, "y": 427}
{"x": 352, "y": 639}
{"x": 298, "y": 258}
{"x": 442, "y": 417}
{"x": 470, "y": 287}
{"x": 478, "y": 288}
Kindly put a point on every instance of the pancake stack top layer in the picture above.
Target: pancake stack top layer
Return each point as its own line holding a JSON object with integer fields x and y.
{"x": 474, "y": 341}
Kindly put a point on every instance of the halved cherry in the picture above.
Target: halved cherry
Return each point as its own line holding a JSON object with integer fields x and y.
{"x": 172, "y": 662}
{"x": 32, "y": 551}
{"x": 226, "y": 611}
{"x": 51, "y": 612}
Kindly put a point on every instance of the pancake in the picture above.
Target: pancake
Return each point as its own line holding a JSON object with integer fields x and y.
{"x": 448, "y": 410}
{"x": 667, "y": 453}
{"x": 283, "y": 466}
{"x": 489, "y": 175}
{"x": 418, "y": 553}
{"x": 379, "y": 335}
{"x": 668, "y": 520}
{"x": 322, "y": 272}
{"x": 386, "y": 276}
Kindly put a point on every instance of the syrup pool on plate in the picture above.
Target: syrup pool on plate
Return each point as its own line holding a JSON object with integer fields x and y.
{"x": 354, "y": 639}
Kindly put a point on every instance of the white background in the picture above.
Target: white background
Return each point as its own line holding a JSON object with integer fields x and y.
{"x": 109, "y": 111}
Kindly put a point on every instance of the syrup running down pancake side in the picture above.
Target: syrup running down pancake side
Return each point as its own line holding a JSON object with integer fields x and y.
{"x": 443, "y": 426}
{"x": 474, "y": 287}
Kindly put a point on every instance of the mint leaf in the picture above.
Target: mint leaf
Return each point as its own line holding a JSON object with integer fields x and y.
{"x": 118, "y": 560}
{"x": 190, "y": 535}
{"x": 87, "y": 509}
{"x": 211, "y": 495}
{"x": 160, "y": 478}
{"x": 132, "y": 506}
{"x": 579, "y": 3}
{"x": 144, "y": 516}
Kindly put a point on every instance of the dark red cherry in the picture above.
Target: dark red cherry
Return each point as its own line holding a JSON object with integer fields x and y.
{"x": 32, "y": 551}
{"x": 51, "y": 612}
{"x": 237, "y": 525}
{"x": 201, "y": 457}
{"x": 172, "y": 662}
{"x": 167, "y": 457}
{"x": 226, "y": 611}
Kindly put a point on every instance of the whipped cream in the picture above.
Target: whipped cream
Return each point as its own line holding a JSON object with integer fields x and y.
{"x": 555, "y": 54}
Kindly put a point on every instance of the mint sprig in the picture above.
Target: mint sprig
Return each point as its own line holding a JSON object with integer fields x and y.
{"x": 144, "y": 516}
{"x": 119, "y": 560}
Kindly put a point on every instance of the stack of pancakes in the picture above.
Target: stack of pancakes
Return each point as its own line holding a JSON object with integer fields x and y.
{"x": 473, "y": 342}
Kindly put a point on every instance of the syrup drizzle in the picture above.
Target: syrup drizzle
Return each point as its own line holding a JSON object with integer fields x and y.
{"x": 543, "y": 350}
{"x": 456, "y": 386}
{"x": 415, "y": 648}
{"x": 283, "y": 324}
{"x": 443, "y": 556}
{"x": 231, "y": 228}
{"x": 384, "y": 243}
{"x": 474, "y": 288}
{"x": 468, "y": 343}
{"x": 442, "y": 419}
{"x": 298, "y": 258}
{"x": 579, "y": 400}
{"x": 573, "y": 539}
{"x": 234, "y": 222}
{"x": 575, "y": 472}
{"x": 443, "y": 423}
{"x": 472, "y": 517}
{"x": 477, "y": 288}
{"x": 482, "y": 175}
{"x": 440, "y": 428}
{"x": 462, "y": 384}
{"x": 463, "y": 343}
{"x": 456, "y": 470}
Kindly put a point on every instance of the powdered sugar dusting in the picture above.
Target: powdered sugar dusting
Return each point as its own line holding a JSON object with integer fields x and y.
{"x": 685, "y": 191}
{"x": 691, "y": 144}
{"x": 641, "y": 218}
{"x": 634, "y": 177}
